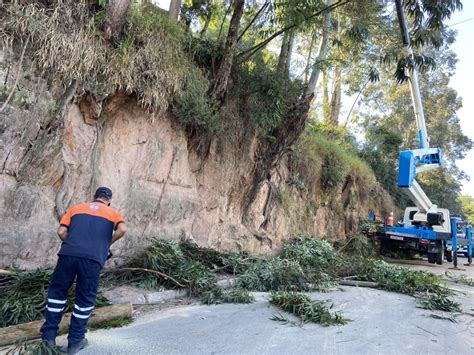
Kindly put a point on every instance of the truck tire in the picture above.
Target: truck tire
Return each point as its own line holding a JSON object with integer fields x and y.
{"x": 431, "y": 258}
{"x": 386, "y": 246}
{"x": 440, "y": 257}
{"x": 449, "y": 256}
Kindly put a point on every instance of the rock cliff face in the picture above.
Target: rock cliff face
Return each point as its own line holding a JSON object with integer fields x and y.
{"x": 164, "y": 181}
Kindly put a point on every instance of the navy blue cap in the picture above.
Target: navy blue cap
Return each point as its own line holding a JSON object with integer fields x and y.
{"x": 103, "y": 191}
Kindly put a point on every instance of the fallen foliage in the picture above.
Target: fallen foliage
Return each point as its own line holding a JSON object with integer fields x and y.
{"x": 234, "y": 263}
{"x": 115, "y": 323}
{"x": 304, "y": 264}
{"x": 218, "y": 295}
{"x": 36, "y": 347}
{"x": 461, "y": 279}
{"x": 274, "y": 274}
{"x": 308, "y": 310}
{"x": 438, "y": 302}
{"x": 167, "y": 258}
{"x": 396, "y": 278}
{"x": 24, "y": 299}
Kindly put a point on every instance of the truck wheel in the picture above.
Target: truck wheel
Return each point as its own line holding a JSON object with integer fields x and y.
{"x": 431, "y": 258}
{"x": 386, "y": 246}
{"x": 440, "y": 257}
{"x": 449, "y": 256}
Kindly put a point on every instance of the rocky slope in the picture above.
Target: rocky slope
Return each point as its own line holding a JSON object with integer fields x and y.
{"x": 167, "y": 183}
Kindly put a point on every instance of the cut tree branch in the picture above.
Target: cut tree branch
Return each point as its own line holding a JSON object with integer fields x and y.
{"x": 128, "y": 269}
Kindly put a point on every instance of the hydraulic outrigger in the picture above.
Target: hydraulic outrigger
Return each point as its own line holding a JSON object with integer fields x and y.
{"x": 426, "y": 224}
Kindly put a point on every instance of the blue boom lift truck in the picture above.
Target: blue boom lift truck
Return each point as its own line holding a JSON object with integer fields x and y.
{"x": 426, "y": 226}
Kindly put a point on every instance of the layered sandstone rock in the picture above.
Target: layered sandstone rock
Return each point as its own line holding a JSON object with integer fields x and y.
{"x": 163, "y": 182}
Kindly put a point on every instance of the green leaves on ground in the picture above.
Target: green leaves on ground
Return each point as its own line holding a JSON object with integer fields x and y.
{"x": 304, "y": 264}
{"x": 396, "y": 278}
{"x": 166, "y": 257}
{"x": 438, "y": 302}
{"x": 462, "y": 279}
{"x": 24, "y": 298}
{"x": 218, "y": 295}
{"x": 308, "y": 310}
{"x": 114, "y": 323}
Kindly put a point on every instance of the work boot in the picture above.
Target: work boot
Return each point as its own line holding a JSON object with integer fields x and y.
{"x": 78, "y": 347}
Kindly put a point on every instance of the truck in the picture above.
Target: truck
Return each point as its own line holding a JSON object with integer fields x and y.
{"x": 425, "y": 225}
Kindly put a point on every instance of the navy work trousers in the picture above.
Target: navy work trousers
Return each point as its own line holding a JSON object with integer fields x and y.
{"x": 86, "y": 272}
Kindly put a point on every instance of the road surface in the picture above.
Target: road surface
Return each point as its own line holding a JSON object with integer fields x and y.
{"x": 382, "y": 323}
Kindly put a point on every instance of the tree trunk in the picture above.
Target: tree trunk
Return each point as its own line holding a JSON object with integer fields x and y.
{"x": 310, "y": 53}
{"x": 322, "y": 53}
{"x": 284, "y": 59}
{"x": 326, "y": 109}
{"x": 222, "y": 77}
{"x": 175, "y": 8}
{"x": 336, "y": 97}
{"x": 116, "y": 12}
{"x": 336, "y": 93}
{"x": 290, "y": 52}
{"x": 31, "y": 330}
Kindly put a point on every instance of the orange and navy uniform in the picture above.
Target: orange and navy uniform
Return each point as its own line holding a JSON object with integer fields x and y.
{"x": 90, "y": 227}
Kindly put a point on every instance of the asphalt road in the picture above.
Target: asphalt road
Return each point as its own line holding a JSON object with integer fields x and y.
{"x": 382, "y": 323}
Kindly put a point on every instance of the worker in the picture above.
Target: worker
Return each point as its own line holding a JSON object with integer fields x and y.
{"x": 87, "y": 230}
{"x": 390, "y": 220}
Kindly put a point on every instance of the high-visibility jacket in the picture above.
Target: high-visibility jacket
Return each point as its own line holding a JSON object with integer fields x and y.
{"x": 90, "y": 228}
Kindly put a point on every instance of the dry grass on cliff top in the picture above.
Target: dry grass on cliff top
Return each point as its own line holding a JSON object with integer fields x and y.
{"x": 65, "y": 39}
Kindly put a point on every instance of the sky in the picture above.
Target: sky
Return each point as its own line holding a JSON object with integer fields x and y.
{"x": 462, "y": 81}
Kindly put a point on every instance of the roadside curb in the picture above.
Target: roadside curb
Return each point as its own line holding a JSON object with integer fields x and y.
{"x": 122, "y": 294}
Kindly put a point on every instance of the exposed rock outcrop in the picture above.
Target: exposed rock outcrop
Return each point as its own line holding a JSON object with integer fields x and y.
{"x": 165, "y": 185}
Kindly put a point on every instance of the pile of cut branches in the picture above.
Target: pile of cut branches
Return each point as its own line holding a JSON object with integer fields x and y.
{"x": 164, "y": 264}
{"x": 308, "y": 310}
{"x": 24, "y": 298}
{"x": 304, "y": 264}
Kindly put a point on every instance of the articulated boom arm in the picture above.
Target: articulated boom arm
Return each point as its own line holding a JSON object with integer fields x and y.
{"x": 411, "y": 163}
{"x": 424, "y": 158}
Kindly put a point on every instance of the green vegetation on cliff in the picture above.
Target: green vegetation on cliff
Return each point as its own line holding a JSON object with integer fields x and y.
{"x": 254, "y": 66}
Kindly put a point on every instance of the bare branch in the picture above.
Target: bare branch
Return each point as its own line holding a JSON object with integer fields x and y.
{"x": 265, "y": 5}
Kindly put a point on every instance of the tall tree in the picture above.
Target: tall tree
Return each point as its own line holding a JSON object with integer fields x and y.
{"x": 337, "y": 85}
{"x": 286, "y": 50}
{"x": 336, "y": 98}
{"x": 221, "y": 80}
{"x": 322, "y": 53}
